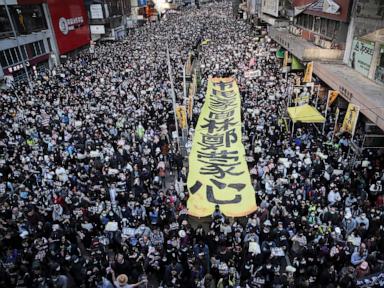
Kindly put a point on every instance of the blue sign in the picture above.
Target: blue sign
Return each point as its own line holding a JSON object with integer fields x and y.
{"x": 142, "y": 3}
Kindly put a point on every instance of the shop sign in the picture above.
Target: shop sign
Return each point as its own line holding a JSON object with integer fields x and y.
{"x": 361, "y": 56}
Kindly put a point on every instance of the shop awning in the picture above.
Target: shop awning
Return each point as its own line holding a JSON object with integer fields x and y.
{"x": 305, "y": 114}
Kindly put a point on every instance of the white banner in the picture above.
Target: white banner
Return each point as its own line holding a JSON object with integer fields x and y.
{"x": 96, "y": 11}
{"x": 97, "y": 29}
{"x": 270, "y": 7}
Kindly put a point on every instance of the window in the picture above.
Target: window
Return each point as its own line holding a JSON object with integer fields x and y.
{"x": 3, "y": 59}
{"x": 5, "y": 25}
{"x": 37, "y": 48}
{"x": 12, "y": 56}
{"x": 380, "y": 66}
{"x": 28, "y": 18}
{"x": 49, "y": 44}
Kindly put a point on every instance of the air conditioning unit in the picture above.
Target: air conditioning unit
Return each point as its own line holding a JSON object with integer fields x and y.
{"x": 325, "y": 44}
{"x": 317, "y": 40}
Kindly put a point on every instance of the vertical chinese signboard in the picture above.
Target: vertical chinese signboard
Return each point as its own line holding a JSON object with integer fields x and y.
{"x": 218, "y": 170}
{"x": 70, "y": 24}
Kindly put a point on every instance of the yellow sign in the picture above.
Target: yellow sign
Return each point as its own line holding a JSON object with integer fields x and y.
{"x": 219, "y": 174}
{"x": 350, "y": 119}
{"x": 181, "y": 115}
{"x": 332, "y": 94}
{"x": 308, "y": 72}
{"x": 285, "y": 62}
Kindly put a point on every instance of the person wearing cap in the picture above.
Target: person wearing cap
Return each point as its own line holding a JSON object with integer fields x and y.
{"x": 121, "y": 281}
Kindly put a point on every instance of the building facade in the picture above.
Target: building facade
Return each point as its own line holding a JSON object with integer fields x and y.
{"x": 108, "y": 18}
{"x": 35, "y": 33}
{"x": 26, "y": 39}
{"x": 344, "y": 40}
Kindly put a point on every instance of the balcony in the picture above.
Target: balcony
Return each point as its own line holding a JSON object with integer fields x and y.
{"x": 303, "y": 49}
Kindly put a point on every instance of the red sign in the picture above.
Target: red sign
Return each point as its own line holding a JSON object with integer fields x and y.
{"x": 70, "y": 23}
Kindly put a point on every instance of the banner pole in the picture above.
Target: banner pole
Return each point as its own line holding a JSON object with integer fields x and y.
{"x": 336, "y": 120}
{"x": 326, "y": 111}
{"x": 173, "y": 96}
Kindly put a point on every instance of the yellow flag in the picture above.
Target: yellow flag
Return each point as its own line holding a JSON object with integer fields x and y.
{"x": 285, "y": 62}
{"x": 218, "y": 170}
{"x": 332, "y": 96}
{"x": 350, "y": 119}
{"x": 308, "y": 73}
{"x": 181, "y": 115}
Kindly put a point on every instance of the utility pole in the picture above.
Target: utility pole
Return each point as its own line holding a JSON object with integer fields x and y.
{"x": 18, "y": 44}
{"x": 173, "y": 95}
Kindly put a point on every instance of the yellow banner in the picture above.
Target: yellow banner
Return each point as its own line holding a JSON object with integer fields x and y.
{"x": 181, "y": 114}
{"x": 308, "y": 73}
{"x": 332, "y": 96}
{"x": 218, "y": 171}
{"x": 285, "y": 62}
{"x": 350, "y": 119}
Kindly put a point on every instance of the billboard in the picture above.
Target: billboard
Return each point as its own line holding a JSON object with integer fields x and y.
{"x": 97, "y": 29}
{"x": 70, "y": 24}
{"x": 270, "y": 7}
{"x": 361, "y": 56}
{"x": 96, "y": 11}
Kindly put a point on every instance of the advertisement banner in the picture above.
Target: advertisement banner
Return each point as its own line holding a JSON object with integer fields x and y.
{"x": 70, "y": 23}
{"x": 181, "y": 114}
{"x": 97, "y": 29}
{"x": 285, "y": 61}
{"x": 308, "y": 73}
{"x": 96, "y": 11}
{"x": 270, "y": 7}
{"x": 220, "y": 173}
{"x": 361, "y": 56}
{"x": 350, "y": 119}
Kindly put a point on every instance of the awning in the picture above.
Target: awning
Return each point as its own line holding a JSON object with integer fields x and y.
{"x": 296, "y": 64}
{"x": 305, "y": 114}
{"x": 280, "y": 53}
{"x": 355, "y": 88}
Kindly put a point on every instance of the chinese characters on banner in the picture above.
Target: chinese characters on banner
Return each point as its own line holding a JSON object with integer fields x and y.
{"x": 218, "y": 171}
{"x": 350, "y": 119}
{"x": 181, "y": 114}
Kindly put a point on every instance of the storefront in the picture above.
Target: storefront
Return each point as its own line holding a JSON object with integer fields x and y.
{"x": 354, "y": 88}
{"x": 70, "y": 24}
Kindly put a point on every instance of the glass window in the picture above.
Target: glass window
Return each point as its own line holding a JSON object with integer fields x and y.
{"x": 5, "y": 25}
{"x": 14, "y": 56}
{"x": 3, "y": 59}
{"x": 24, "y": 52}
{"x": 49, "y": 44}
{"x": 316, "y": 25}
{"x": 8, "y": 56}
{"x": 380, "y": 66}
{"x": 32, "y": 49}
{"x": 323, "y": 26}
{"x": 28, "y": 18}
{"x": 42, "y": 48}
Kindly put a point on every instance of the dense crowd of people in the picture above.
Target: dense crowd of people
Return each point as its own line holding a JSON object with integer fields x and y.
{"x": 93, "y": 184}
